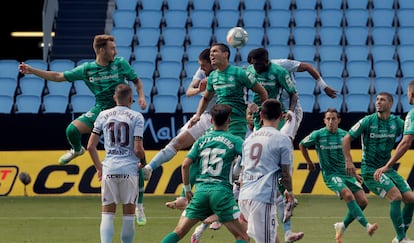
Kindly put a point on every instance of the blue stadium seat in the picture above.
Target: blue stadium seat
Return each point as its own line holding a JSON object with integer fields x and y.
{"x": 8, "y": 86}
{"x": 404, "y": 84}
{"x": 204, "y": 4}
{"x": 330, "y": 35}
{"x": 306, "y": 4}
{"x": 176, "y": 18}
{"x": 150, "y": 18}
{"x": 146, "y": 53}
{"x": 383, "y": 17}
{"x": 227, "y": 18}
{"x": 228, "y": 4}
{"x": 278, "y": 51}
{"x": 169, "y": 69}
{"x": 31, "y": 85}
{"x": 304, "y": 53}
{"x": 186, "y": 82}
{"x": 278, "y": 36}
{"x": 189, "y": 104}
{"x": 304, "y": 17}
{"x": 386, "y": 84}
{"x": 356, "y": 35}
{"x": 202, "y": 19}
{"x": 336, "y": 83}
{"x": 356, "y": 53}
{"x": 357, "y": 102}
{"x": 148, "y": 36}
{"x": 28, "y": 103}
{"x": 253, "y": 18}
{"x": 331, "y": 68}
{"x": 193, "y": 51}
{"x": 307, "y": 101}
{"x": 9, "y": 68}
{"x": 144, "y": 69}
{"x": 280, "y": 5}
{"x": 405, "y": 52}
{"x": 123, "y": 36}
{"x": 82, "y": 103}
{"x": 61, "y": 65}
{"x": 406, "y": 4}
{"x": 165, "y": 103}
{"x": 6, "y": 103}
{"x": 147, "y": 83}
{"x": 383, "y": 52}
{"x": 331, "y": 4}
{"x": 386, "y": 68}
{"x": 330, "y": 52}
{"x": 279, "y": 18}
{"x": 381, "y": 4}
{"x": 174, "y": 36}
{"x": 255, "y": 36}
{"x": 255, "y": 4}
{"x": 124, "y": 18}
{"x": 177, "y": 4}
{"x": 55, "y": 103}
{"x": 124, "y": 51}
{"x": 126, "y": 4}
{"x": 152, "y": 5}
{"x": 357, "y": 4}
{"x": 58, "y": 88}
{"x": 326, "y": 102}
{"x": 167, "y": 86}
{"x": 358, "y": 85}
{"x": 191, "y": 67}
{"x": 136, "y": 107}
{"x": 36, "y": 63}
{"x": 356, "y": 17}
{"x": 383, "y": 35}
{"x": 405, "y": 17}
{"x": 304, "y": 35}
{"x": 200, "y": 36}
{"x": 81, "y": 88}
{"x": 172, "y": 53}
{"x": 331, "y": 17}
{"x": 406, "y": 106}
{"x": 358, "y": 68}
{"x": 305, "y": 85}
{"x": 405, "y": 36}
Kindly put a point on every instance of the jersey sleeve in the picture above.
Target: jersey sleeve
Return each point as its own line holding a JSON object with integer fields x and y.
{"x": 98, "y": 124}
{"x": 78, "y": 73}
{"x": 310, "y": 140}
{"x": 139, "y": 126}
{"x": 286, "y": 81}
{"x": 357, "y": 129}
{"x": 286, "y": 152}
{"x": 193, "y": 153}
{"x": 409, "y": 123}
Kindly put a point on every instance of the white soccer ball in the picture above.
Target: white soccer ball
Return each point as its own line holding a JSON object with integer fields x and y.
{"x": 237, "y": 37}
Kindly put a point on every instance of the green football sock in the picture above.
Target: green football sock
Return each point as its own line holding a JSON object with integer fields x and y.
{"x": 170, "y": 238}
{"x": 396, "y": 218}
{"x": 407, "y": 214}
{"x": 74, "y": 137}
{"x": 356, "y": 213}
{"x": 241, "y": 241}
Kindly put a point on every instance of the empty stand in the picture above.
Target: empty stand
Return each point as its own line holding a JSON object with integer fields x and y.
{"x": 167, "y": 86}
{"x": 307, "y": 101}
{"x": 9, "y": 68}
{"x": 28, "y": 103}
{"x": 55, "y": 104}
{"x": 357, "y": 102}
{"x": 358, "y": 85}
{"x": 124, "y": 18}
{"x": 165, "y": 103}
{"x": 325, "y": 102}
{"x": 81, "y": 103}
{"x": 6, "y": 103}
{"x": 189, "y": 104}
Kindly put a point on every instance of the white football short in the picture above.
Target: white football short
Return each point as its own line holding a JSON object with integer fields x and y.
{"x": 200, "y": 127}
{"x": 261, "y": 220}
{"x": 119, "y": 189}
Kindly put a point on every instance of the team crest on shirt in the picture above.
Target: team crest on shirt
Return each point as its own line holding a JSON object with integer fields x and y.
{"x": 114, "y": 67}
{"x": 231, "y": 78}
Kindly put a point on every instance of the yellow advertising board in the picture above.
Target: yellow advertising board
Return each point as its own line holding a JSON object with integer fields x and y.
{"x": 79, "y": 177}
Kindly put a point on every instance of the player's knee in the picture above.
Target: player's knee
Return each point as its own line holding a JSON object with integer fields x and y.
{"x": 72, "y": 129}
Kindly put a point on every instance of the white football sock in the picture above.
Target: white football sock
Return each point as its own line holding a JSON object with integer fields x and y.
{"x": 128, "y": 229}
{"x": 107, "y": 227}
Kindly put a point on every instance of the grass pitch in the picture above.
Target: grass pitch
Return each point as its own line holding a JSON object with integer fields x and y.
{"x": 77, "y": 219}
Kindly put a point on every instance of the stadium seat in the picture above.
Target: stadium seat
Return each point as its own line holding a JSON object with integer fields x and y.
{"x": 331, "y": 4}
{"x": 169, "y": 69}
{"x": 227, "y": 18}
{"x": 357, "y": 4}
{"x": 32, "y": 85}
{"x": 61, "y": 65}
{"x": 383, "y": 52}
{"x": 6, "y": 103}
{"x": 278, "y": 36}
{"x": 405, "y": 17}
{"x": 406, "y": 4}
{"x": 405, "y": 36}
{"x": 304, "y": 53}
{"x": 330, "y": 35}
{"x": 356, "y": 35}
{"x": 278, "y": 51}
{"x": 383, "y": 17}
{"x": 280, "y": 5}
{"x": 124, "y": 51}
{"x": 153, "y": 5}
{"x": 167, "y": 86}
{"x": 386, "y": 68}
{"x": 404, "y": 84}
{"x": 193, "y": 51}
{"x": 136, "y": 107}
{"x": 165, "y": 103}
{"x": 256, "y": 36}
{"x": 279, "y": 18}
{"x": 331, "y": 68}
{"x": 191, "y": 67}
{"x": 405, "y": 52}
{"x": 58, "y": 88}
{"x": 144, "y": 69}
{"x": 82, "y": 103}
{"x": 8, "y": 86}
{"x": 204, "y": 4}
{"x": 386, "y": 84}
{"x": 358, "y": 85}
{"x": 356, "y": 18}
{"x": 200, "y": 36}
{"x": 148, "y": 85}
{"x": 306, "y": 4}
{"x": 228, "y": 4}
{"x": 325, "y": 102}
{"x": 174, "y": 36}
{"x": 202, "y": 19}
{"x": 146, "y": 54}
{"x": 189, "y": 103}
{"x": 357, "y": 102}
{"x": 255, "y": 5}
{"x": 148, "y": 36}
{"x": 123, "y": 36}
{"x": 305, "y": 85}
{"x": 304, "y": 35}
{"x": 36, "y": 63}
{"x": 356, "y": 53}
{"x": 331, "y": 17}
{"x": 176, "y": 18}
{"x": 307, "y": 101}
{"x": 150, "y": 19}
{"x": 406, "y": 106}
{"x": 336, "y": 83}
{"x": 9, "y": 68}
{"x": 330, "y": 52}
{"x": 383, "y": 35}
{"x": 55, "y": 103}
{"x": 172, "y": 53}
{"x": 28, "y": 103}
{"x": 381, "y": 4}
{"x": 253, "y": 18}
{"x": 304, "y": 18}
{"x": 81, "y": 88}
{"x": 359, "y": 68}
{"x": 126, "y": 4}
{"x": 124, "y": 18}
{"x": 177, "y": 4}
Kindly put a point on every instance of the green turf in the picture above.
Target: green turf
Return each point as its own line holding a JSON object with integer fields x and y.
{"x": 77, "y": 219}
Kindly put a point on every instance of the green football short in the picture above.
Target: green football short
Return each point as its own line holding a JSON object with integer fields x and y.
{"x": 89, "y": 117}
{"x": 337, "y": 183}
{"x": 388, "y": 180}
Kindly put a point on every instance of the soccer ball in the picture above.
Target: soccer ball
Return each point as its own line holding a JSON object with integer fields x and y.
{"x": 237, "y": 37}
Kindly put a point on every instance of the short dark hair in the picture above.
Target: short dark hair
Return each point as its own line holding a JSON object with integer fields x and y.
{"x": 271, "y": 109}
{"x": 389, "y": 95}
{"x": 123, "y": 92}
{"x": 333, "y": 110}
{"x": 257, "y": 53}
{"x": 205, "y": 55}
{"x": 220, "y": 113}
{"x": 223, "y": 48}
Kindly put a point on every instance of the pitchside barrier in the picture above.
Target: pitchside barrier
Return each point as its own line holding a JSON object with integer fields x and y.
{"x": 79, "y": 177}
